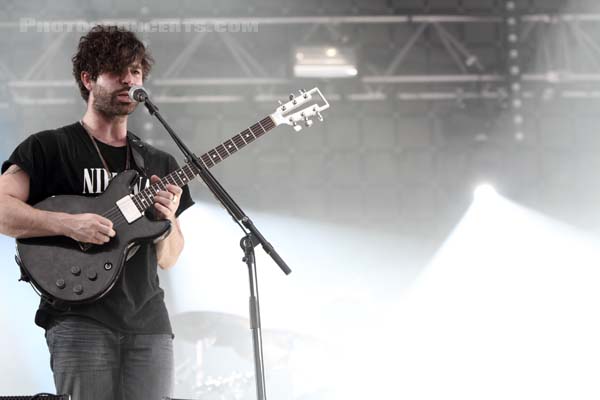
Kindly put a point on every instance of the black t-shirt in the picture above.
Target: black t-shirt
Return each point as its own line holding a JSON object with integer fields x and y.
{"x": 65, "y": 161}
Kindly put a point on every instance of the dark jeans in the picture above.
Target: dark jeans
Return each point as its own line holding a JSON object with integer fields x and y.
{"x": 92, "y": 362}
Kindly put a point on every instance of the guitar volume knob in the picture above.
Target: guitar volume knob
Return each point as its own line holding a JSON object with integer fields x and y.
{"x": 92, "y": 275}
{"x": 60, "y": 283}
{"x": 75, "y": 270}
{"x": 78, "y": 289}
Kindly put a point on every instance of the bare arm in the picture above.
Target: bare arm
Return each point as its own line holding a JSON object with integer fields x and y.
{"x": 166, "y": 204}
{"x": 169, "y": 249}
{"x": 20, "y": 220}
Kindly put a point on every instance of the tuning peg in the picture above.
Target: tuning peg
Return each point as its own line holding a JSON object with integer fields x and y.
{"x": 307, "y": 122}
{"x": 292, "y": 96}
{"x": 303, "y": 92}
{"x": 319, "y": 116}
{"x": 296, "y": 127}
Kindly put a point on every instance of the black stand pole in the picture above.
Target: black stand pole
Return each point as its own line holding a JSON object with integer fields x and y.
{"x": 248, "y": 246}
{"x": 249, "y": 241}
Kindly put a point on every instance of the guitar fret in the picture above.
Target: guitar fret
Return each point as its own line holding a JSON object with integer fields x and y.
{"x": 230, "y": 146}
{"x": 261, "y": 127}
{"x": 207, "y": 161}
{"x": 222, "y": 151}
{"x": 252, "y": 137}
{"x": 176, "y": 177}
{"x": 239, "y": 141}
{"x": 191, "y": 174}
{"x": 136, "y": 201}
{"x": 242, "y": 136}
{"x": 194, "y": 170}
{"x": 268, "y": 122}
{"x": 142, "y": 200}
{"x": 214, "y": 156}
{"x": 171, "y": 180}
{"x": 139, "y": 202}
{"x": 185, "y": 172}
{"x": 147, "y": 197}
{"x": 184, "y": 178}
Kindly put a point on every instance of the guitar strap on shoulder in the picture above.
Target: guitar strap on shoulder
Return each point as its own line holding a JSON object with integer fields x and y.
{"x": 137, "y": 148}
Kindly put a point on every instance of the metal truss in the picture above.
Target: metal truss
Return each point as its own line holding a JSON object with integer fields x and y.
{"x": 562, "y": 63}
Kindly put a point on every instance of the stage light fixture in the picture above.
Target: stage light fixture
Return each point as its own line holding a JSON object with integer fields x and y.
{"x": 325, "y": 62}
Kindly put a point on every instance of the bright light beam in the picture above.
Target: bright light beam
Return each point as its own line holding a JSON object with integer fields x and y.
{"x": 506, "y": 309}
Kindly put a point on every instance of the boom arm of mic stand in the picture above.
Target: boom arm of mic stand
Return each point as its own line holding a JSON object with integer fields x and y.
{"x": 220, "y": 193}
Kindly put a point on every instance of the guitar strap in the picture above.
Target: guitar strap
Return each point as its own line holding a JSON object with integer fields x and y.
{"x": 136, "y": 147}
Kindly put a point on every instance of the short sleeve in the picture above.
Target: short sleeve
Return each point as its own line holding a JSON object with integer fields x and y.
{"x": 31, "y": 156}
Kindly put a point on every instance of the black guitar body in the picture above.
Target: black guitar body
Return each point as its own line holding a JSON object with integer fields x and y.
{"x": 64, "y": 271}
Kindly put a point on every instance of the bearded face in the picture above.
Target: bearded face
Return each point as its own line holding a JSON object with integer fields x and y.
{"x": 112, "y": 102}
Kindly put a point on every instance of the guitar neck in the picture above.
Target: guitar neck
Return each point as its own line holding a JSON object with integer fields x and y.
{"x": 181, "y": 177}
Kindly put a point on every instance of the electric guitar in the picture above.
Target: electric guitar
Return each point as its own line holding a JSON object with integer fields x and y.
{"x": 65, "y": 271}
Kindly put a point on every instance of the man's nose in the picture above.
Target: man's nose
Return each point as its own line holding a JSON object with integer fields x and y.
{"x": 127, "y": 78}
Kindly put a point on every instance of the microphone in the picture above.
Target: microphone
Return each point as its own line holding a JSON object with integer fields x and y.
{"x": 138, "y": 93}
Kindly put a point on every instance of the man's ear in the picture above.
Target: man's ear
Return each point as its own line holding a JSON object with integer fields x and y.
{"x": 86, "y": 80}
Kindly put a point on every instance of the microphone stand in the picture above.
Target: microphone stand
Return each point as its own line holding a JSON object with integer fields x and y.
{"x": 252, "y": 237}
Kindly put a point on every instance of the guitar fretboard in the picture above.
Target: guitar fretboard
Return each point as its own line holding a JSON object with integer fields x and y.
{"x": 181, "y": 177}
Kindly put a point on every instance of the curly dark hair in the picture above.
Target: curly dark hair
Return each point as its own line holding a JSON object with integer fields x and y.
{"x": 108, "y": 48}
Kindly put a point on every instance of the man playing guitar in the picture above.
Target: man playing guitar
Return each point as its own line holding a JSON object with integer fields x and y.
{"x": 120, "y": 346}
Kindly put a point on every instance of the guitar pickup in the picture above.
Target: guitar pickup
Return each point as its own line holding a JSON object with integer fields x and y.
{"x": 129, "y": 209}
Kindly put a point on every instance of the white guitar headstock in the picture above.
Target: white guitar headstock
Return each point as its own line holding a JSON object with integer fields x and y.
{"x": 299, "y": 110}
